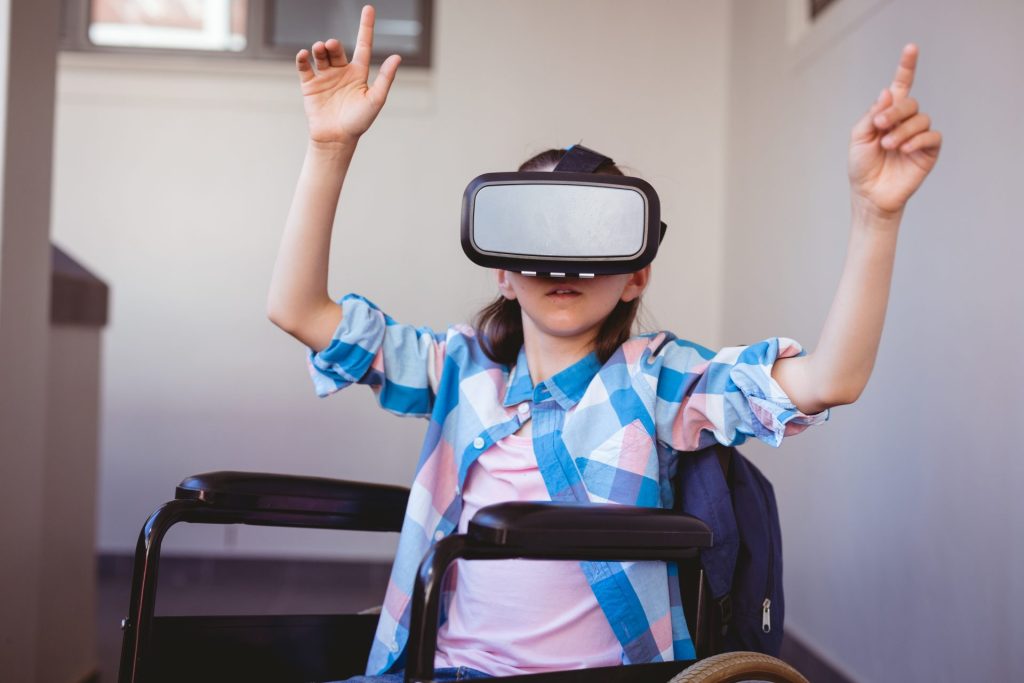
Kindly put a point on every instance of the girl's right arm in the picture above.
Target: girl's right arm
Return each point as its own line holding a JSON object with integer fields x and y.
{"x": 339, "y": 108}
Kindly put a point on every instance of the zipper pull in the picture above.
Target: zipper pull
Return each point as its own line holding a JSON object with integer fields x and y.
{"x": 766, "y": 616}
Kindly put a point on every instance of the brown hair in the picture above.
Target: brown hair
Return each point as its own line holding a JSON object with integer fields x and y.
{"x": 501, "y": 322}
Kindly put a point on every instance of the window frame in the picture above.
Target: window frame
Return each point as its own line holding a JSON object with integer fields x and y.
{"x": 74, "y": 37}
{"x": 818, "y": 6}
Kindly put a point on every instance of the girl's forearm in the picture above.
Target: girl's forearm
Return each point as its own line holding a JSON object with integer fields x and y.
{"x": 845, "y": 355}
{"x": 892, "y": 150}
{"x": 298, "y": 300}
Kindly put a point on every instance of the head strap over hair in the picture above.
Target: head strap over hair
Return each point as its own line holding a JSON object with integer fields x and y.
{"x": 579, "y": 159}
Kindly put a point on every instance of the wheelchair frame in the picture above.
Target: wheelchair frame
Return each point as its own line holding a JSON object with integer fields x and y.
{"x": 284, "y": 648}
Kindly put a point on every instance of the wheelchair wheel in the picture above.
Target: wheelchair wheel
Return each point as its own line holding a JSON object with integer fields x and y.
{"x": 734, "y": 667}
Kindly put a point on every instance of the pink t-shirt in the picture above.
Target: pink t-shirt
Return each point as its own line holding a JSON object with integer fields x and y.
{"x": 512, "y": 617}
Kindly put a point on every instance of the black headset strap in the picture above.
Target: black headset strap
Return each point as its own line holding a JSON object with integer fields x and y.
{"x": 579, "y": 159}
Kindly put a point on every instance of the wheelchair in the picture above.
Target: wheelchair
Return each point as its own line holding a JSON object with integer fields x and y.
{"x": 285, "y": 648}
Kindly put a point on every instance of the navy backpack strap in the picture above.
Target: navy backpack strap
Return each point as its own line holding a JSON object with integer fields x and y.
{"x": 706, "y": 496}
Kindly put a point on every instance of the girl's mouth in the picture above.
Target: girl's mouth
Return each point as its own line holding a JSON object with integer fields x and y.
{"x": 562, "y": 292}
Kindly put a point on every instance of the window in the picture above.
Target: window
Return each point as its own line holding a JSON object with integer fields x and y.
{"x": 815, "y": 26}
{"x": 260, "y": 29}
{"x": 818, "y": 6}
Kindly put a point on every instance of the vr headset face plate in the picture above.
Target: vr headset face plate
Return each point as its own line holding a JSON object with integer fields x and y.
{"x": 561, "y": 224}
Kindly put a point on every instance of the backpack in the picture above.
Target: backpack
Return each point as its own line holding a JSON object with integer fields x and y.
{"x": 744, "y": 567}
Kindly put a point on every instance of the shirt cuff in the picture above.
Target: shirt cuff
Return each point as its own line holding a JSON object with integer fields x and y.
{"x": 773, "y": 413}
{"x": 353, "y": 347}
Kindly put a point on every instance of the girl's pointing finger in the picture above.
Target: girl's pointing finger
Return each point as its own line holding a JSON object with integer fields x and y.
{"x": 904, "y": 76}
{"x": 364, "y": 40}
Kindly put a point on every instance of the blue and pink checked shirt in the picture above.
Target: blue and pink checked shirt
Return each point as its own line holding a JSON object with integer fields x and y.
{"x": 606, "y": 433}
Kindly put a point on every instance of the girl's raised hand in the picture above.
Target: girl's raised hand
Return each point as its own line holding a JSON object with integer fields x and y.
{"x": 339, "y": 104}
{"x": 892, "y": 147}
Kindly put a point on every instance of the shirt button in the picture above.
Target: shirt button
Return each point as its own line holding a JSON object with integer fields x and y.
{"x": 438, "y": 535}
{"x": 524, "y": 408}
{"x": 478, "y": 442}
{"x": 393, "y": 646}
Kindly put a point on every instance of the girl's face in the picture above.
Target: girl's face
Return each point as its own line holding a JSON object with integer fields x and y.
{"x": 570, "y": 308}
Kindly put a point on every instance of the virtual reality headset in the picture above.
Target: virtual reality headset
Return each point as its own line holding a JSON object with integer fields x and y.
{"x": 569, "y": 222}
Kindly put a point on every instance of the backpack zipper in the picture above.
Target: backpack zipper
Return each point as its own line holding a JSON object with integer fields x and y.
{"x": 766, "y": 606}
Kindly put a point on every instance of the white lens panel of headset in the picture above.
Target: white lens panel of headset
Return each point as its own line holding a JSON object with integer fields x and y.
{"x": 559, "y": 220}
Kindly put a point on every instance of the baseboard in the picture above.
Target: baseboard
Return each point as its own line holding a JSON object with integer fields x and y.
{"x": 809, "y": 661}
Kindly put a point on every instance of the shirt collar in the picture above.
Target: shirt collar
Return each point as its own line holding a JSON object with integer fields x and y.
{"x": 566, "y": 387}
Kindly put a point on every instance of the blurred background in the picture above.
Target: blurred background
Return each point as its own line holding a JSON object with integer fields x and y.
{"x": 157, "y": 144}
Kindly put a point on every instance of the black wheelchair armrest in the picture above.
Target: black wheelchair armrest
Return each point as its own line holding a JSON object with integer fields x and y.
{"x": 586, "y": 526}
{"x": 545, "y": 530}
{"x": 281, "y": 496}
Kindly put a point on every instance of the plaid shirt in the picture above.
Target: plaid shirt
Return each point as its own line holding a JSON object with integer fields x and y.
{"x": 603, "y": 433}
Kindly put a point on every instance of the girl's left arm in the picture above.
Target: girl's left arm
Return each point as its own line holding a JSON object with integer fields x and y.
{"x": 892, "y": 150}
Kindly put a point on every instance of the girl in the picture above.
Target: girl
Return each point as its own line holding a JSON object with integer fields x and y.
{"x": 548, "y": 396}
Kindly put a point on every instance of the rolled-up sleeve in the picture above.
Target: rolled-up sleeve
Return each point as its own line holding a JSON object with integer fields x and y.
{"x": 726, "y": 396}
{"x": 401, "y": 363}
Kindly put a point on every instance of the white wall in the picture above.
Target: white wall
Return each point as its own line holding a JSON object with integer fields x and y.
{"x": 173, "y": 180}
{"x": 902, "y": 517}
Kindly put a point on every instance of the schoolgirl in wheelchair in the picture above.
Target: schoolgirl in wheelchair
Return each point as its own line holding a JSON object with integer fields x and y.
{"x": 549, "y": 395}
